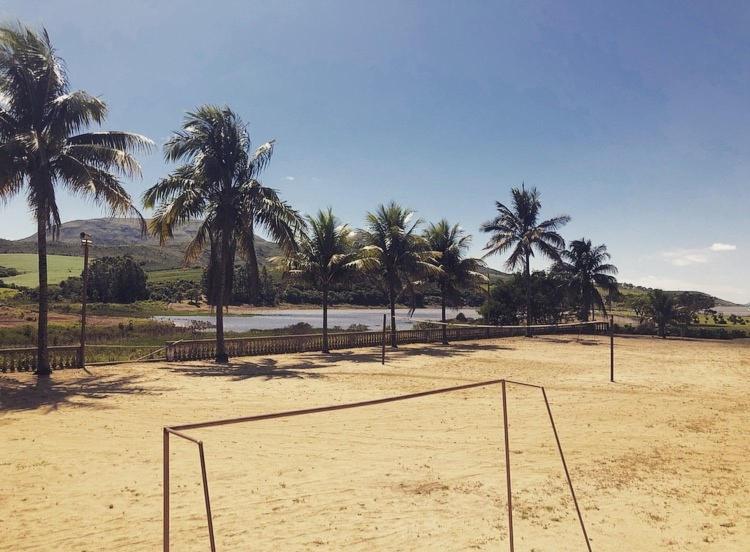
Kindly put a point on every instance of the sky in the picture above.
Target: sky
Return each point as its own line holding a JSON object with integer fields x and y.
{"x": 631, "y": 117}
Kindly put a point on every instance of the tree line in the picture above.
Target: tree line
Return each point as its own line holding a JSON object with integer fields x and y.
{"x": 45, "y": 146}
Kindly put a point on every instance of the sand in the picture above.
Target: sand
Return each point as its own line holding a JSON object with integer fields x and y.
{"x": 660, "y": 460}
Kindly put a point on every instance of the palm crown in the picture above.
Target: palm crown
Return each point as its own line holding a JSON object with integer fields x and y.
{"x": 458, "y": 271}
{"x": 394, "y": 249}
{"x": 588, "y": 270}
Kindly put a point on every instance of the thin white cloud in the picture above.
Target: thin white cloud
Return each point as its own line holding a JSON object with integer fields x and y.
{"x": 685, "y": 257}
{"x": 723, "y": 247}
{"x": 289, "y": 178}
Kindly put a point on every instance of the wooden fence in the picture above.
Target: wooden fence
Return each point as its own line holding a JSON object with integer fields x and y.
{"x": 24, "y": 359}
{"x": 251, "y": 346}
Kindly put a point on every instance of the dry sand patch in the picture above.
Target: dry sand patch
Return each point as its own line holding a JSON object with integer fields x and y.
{"x": 660, "y": 460}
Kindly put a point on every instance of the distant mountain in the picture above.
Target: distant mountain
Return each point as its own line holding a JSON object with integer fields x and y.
{"x": 122, "y": 236}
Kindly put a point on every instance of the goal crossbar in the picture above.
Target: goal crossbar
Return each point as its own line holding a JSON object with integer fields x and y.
{"x": 178, "y": 431}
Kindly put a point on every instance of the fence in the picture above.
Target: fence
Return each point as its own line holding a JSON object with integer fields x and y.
{"x": 24, "y": 359}
{"x": 250, "y": 346}
{"x": 61, "y": 357}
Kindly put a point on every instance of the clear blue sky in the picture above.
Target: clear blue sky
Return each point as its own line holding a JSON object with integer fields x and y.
{"x": 632, "y": 117}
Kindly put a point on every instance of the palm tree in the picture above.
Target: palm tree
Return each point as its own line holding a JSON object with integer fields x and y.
{"x": 586, "y": 269}
{"x": 517, "y": 229}
{"x": 662, "y": 308}
{"x": 218, "y": 183}
{"x": 458, "y": 272}
{"x": 394, "y": 250}
{"x": 43, "y": 146}
{"x": 325, "y": 257}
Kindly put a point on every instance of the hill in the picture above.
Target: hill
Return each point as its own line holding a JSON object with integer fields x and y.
{"x": 122, "y": 236}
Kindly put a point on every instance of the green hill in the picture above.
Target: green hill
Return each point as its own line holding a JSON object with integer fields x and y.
{"x": 59, "y": 267}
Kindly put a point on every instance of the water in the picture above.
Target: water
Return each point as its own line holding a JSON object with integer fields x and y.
{"x": 275, "y": 319}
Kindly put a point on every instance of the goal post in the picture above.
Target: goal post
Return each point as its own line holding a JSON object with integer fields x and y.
{"x": 179, "y": 431}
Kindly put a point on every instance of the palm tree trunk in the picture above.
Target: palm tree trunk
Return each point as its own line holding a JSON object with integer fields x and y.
{"x": 442, "y": 306}
{"x": 42, "y": 352}
{"x": 221, "y": 348}
{"x": 325, "y": 319}
{"x": 527, "y": 276}
{"x": 253, "y": 273}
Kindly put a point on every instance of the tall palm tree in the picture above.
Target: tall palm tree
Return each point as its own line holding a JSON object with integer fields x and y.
{"x": 517, "y": 229}
{"x": 43, "y": 146}
{"x": 325, "y": 257}
{"x": 458, "y": 272}
{"x": 586, "y": 269}
{"x": 217, "y": 183}
{"x": 393, "y": 250}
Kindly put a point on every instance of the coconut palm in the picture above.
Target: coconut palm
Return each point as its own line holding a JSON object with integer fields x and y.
{"x": 325, "y": 257}
{"x": 43, "y": 146}
{"x": 458, "y": 271}
{"x": 393, "y": 250}
{"x": 217, "y": 183}
{"x": 586, "y": 269}
{"x": 516, "y": 229}
{"x": 662, "y": 309}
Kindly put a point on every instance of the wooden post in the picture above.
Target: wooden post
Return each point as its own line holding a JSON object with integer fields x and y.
{"x": 166, "y": 491}
{"x": 612, "y": 349}
{"x": 489, "y": 297}
{"x": 507, "y": 466}
{"x": 382, "y": 355}
{"x": 85, "y": 242}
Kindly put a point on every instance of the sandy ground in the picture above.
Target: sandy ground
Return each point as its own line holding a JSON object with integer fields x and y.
{"x": 659, "y": 460}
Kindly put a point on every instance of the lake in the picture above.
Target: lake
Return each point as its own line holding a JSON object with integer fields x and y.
{"x": 275, "y": 319}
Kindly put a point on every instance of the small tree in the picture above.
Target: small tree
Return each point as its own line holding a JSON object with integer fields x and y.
{"x": 325, "y": 257}
{"x": 662, "y": 309}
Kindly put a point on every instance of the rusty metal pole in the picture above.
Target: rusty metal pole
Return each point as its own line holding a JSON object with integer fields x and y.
{"x": 382, "y": 354}
{"x": 565, "y": 467}
{"x": 612, "y": 349}
{"x": 507, "y": 467}
{"x": 166, "y": 490}
{"x": 85, "y": 242}
{"x": 207, "y": 499}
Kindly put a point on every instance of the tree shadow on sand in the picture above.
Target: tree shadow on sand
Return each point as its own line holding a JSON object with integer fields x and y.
{"x": 269, "y": 368}
{"x": 238, "y": 370}
{"x": 87, "y": 391}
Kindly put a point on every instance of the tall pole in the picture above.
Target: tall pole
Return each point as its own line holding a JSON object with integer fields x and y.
{"x": 85, "y": 242}
{"x": 487, "y": 317}
{"x": 507, "y": 466}
{"x": 382, "y": 354}
{"x": 612, "y": 349}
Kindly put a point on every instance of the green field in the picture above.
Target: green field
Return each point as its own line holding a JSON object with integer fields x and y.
{"x": 172, "y": 275}
{"x": 59, "y": 267}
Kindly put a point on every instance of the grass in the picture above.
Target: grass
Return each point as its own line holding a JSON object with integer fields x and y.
{"x": 175, "y": 274}
{"x": 59, "y": 267}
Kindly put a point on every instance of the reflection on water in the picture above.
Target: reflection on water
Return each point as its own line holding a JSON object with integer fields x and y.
{"x": 271, "y": 320}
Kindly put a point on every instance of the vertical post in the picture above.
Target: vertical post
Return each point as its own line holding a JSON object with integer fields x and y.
{"x": 489, "y": 297}
{"x": 382, "y": 354}
{"x": 507, "y": 467}
{"x": 166, "y": 490}
{"x": 206, "y": 497}
{"x": 85, "y": 242}
{"x": 565, "y": 467}
{"x": 612, "y": 349}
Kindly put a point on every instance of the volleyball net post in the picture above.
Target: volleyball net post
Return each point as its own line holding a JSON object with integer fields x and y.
{"x": 179, "y": 431}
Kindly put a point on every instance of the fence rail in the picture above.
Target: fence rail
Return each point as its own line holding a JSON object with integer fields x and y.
{"x": 62, "y": 357}
{"x": 200, "y": 349}
{"x": 24, "y": 359}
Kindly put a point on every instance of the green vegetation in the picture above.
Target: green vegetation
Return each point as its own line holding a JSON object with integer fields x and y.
{"x": 59, "y": 268}
{"x": 175, "y": 275}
